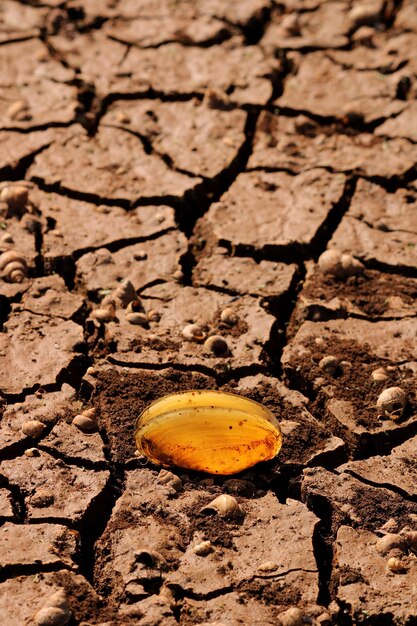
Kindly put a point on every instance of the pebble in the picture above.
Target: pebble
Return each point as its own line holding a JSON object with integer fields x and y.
{"x": 84, "y": 423}
{"x": 268, "y": 566}
{"x": 389, "y": 542}
{"x": 33, "y": 428}
{"x": 15, "y": 196}
{"x": 42, "y": 498}
{"x": 91, "y": 413}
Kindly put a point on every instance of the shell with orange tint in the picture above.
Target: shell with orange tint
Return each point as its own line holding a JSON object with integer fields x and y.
{"x": 207, "y": 431}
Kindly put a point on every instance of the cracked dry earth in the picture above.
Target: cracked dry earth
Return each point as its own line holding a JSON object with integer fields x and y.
{"x": 197, "y": 156}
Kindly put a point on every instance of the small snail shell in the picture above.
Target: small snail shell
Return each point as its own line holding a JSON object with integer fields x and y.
{"x": 395, "y": 565}
{"x": 32, "y": 452}
{"x": 209, "y": 431}
{"x": 380, "y": 375}
{"x": 193, "y": 332}
{"x": 350, "y": 265}
{"x": 105, "y": 313}
{"x": 392, "y": 402}
{"x": 139, "y": 319}
{"x": 216, "y": 345}
{"x": 291, "y": 617}
{"x": 33, "y": 428}
{"x": 228, "y": 316}
{"x": 168, "y": 478}
{"x": 7, "y": 238}
{"x": 13, "y": 266}
{"x": 135, "y": 306}
{"x": 329, "y": 364}
{"x": 340, "y": 265}
{"x": 153, "y": 316}
{"x": 223, "y": 505}
{"x": 330, "y": 262}
{"x": 15, "y": 196}
{"x": 203, "y": 549}
{"x": 52, "y": 616}
{"x": 84, "y": 423}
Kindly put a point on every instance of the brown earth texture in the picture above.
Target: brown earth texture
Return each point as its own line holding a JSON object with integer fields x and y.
{"x": 173, "y": 171}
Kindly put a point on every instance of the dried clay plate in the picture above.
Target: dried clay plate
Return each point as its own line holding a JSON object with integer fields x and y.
{"x": 208, "y": 431}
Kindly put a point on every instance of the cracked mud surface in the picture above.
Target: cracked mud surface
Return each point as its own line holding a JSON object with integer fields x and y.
{"x": 192, "y": 158}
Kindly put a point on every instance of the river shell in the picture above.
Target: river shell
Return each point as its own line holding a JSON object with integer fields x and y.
{"x": 207, "y": 431}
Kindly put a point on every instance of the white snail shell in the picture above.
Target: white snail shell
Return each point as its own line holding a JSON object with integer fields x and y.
{"x": 13, "y": 266}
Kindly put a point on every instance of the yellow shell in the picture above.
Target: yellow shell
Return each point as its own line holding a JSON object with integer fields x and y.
{"x": 208, "y": 431}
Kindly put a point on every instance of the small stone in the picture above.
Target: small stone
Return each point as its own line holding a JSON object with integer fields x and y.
{"x": 292, "y": 617}
{"x": 33, "y": 428}
{"x": 390, "y": 526}
{"x": 268, "y": 566}
{"x": 325, "y": 619}
{"x": 91, "y": 413}
{"x": 216, "y": 345}
{"x": 329, "y": 364}
{"x": 32, "y": 452}
{"x": 203, "y": 549}
{"x": 52, "y": 616}
{"x": 42, "y": 498}
{"x": 84, "y": 423}
{"x": 389, "y": 542}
